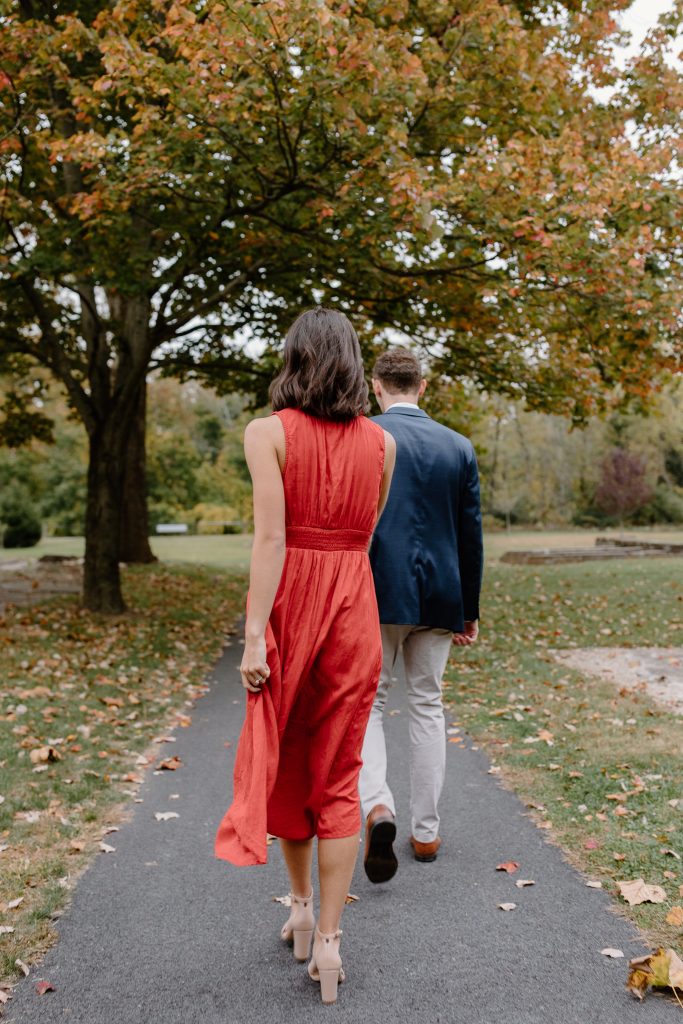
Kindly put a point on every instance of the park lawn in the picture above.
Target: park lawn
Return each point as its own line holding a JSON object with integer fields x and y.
{"x": 596, "y": 743}
{"x": 98, "y": 692}
{"x": 231, "y": 551}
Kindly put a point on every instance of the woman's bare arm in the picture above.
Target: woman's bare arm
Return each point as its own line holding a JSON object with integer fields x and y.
{"x": 389, "y": 463}
{"x": 262, "y": 439}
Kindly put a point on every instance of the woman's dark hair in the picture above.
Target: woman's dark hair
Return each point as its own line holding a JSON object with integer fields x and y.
{"x": 322, "y": 373}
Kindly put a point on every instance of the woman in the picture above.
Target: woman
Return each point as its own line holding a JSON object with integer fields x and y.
{"x": 321, "y": 473}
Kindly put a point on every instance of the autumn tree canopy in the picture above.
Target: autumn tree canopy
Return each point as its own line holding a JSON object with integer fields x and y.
{"x": 183, "y": 177}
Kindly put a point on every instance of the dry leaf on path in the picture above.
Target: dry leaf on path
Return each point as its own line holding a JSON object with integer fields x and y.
{"x": 614, "y": 953}
{"x": 44, "y": 986}
{"x": 638, "y": 891}
{"x": 507, "y": 906}
{"x": 594, "y": 884}
{"x": 169, "y": 763}
{"x": 166, "y": 815}
{"x": 286, "y": 901}
{"x": 6, "y": 929}
{"x": 521, "y": 883}
{"x": 661, "y": 969}
{"x": 350, "y": 898}
{"x": 508, "y": 865}
{"x": 22, "y": 967}
{"x": 15, "y": 903}
{"x": 106, "y": 848}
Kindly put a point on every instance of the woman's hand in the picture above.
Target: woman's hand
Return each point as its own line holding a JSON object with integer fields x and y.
{"x": 254, "y": 668}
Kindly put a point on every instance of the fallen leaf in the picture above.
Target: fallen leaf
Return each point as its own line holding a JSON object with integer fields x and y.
{"x": 40, "y": 754}
{"x": 591, "y": 844}
{"x": 594, "y": 885}
{"x": 661, "y": 969}
{"x": 166, "y": 815}
{"x": 6, "y": 929}
{"x": 508, "y": 865}
{"x": 619, "y": 856}
{"x": 672, "y": 853}
{"x": 44, "y": 986}
{"x": 286, "y": 901}
{"x": 507, "y": 906}
{"x": 614, "y": 953}
{"x": 638, "y": 891}
{"x": 106, "y": 848}
{"x": 22, "y": 967}
{"x": 350, "y": 898}
{"x": 521, "y": 883}
{"x": 15, "y": 903}
{"x": 170, "y": 763}
{"x": 77, "y": 845}
{"x": 675, "y": 916}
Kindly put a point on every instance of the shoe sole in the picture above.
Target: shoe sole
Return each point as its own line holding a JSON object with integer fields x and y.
{"x": 381, "y": 863}
{"x": 426, "y": 860}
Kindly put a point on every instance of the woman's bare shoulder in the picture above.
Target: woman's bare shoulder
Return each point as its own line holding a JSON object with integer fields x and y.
{"x": 264, "y": 427}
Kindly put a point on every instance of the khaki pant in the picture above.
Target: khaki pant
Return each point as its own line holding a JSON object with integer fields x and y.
{"x": 425, "y": 654}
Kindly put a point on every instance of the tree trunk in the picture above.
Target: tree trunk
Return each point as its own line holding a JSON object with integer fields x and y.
{"x": 102, "y": 579}
{"x": 134, "y": 527}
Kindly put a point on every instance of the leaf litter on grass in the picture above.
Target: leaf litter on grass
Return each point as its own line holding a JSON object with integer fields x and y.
{"x": 609, "y": 792}
{"x": 83, "y": 697}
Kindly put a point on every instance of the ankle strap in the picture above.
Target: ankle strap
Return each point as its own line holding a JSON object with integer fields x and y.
{"x": 300, "y": 899}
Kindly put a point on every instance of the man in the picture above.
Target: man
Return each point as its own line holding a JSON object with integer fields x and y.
{"x": 427, "y": 559}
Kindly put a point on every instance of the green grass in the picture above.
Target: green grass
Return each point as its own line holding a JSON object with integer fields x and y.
{"x": 232, "y": 551}
{"x": 97, "y": 691}
{"x": 508, "y": 687}
{"x": 229, "y": 552}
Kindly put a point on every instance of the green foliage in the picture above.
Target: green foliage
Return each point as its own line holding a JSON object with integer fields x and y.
{"x": 22, "y": 527}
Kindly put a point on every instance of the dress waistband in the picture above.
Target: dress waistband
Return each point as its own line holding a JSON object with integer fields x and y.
{"x": 327, "y": 540}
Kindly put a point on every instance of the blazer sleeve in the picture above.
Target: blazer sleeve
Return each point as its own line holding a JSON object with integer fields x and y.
{"x": 470, "y": 539}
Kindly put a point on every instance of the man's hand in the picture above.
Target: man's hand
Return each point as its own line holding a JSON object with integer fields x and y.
{"x": 468, "y": 635}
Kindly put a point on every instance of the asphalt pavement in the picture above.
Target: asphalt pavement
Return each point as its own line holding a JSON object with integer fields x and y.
{"x": 160, "y": 932}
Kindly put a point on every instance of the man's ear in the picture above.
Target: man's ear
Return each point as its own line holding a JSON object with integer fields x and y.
{"x": 423, "y": 386}
{"x": 376, "y": 387}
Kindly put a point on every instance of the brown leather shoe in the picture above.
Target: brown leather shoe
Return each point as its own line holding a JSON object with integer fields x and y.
{"x": 425, "y": 852}
{"x": 380, "y": 831}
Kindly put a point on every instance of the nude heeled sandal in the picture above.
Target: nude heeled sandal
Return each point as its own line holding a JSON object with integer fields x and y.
{"x": 326, "y": 965}
{"x": 299, "y": 928}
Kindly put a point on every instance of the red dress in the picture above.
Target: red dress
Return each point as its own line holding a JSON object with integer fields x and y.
{"x": 298, "y": 758}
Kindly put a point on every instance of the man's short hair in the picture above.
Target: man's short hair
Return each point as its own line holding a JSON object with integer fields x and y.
{"x": 399, "y": 371}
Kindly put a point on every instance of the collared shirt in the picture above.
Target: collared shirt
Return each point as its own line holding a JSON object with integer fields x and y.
{"x": 398, "y": 405}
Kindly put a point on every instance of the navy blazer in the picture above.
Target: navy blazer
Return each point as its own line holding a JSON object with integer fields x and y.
{"x": 427, "y": 551}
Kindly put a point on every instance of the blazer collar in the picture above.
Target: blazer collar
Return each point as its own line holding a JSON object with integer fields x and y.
{"x": 406, "y": 410}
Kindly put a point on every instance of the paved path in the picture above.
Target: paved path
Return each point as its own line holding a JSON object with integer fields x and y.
{"x": 160, "y": 932}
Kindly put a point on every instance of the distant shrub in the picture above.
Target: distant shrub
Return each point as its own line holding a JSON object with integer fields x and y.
{"x": 214, "y": 519}
{"x": 665, "y": 506}
{"x": 23, "y": 528}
